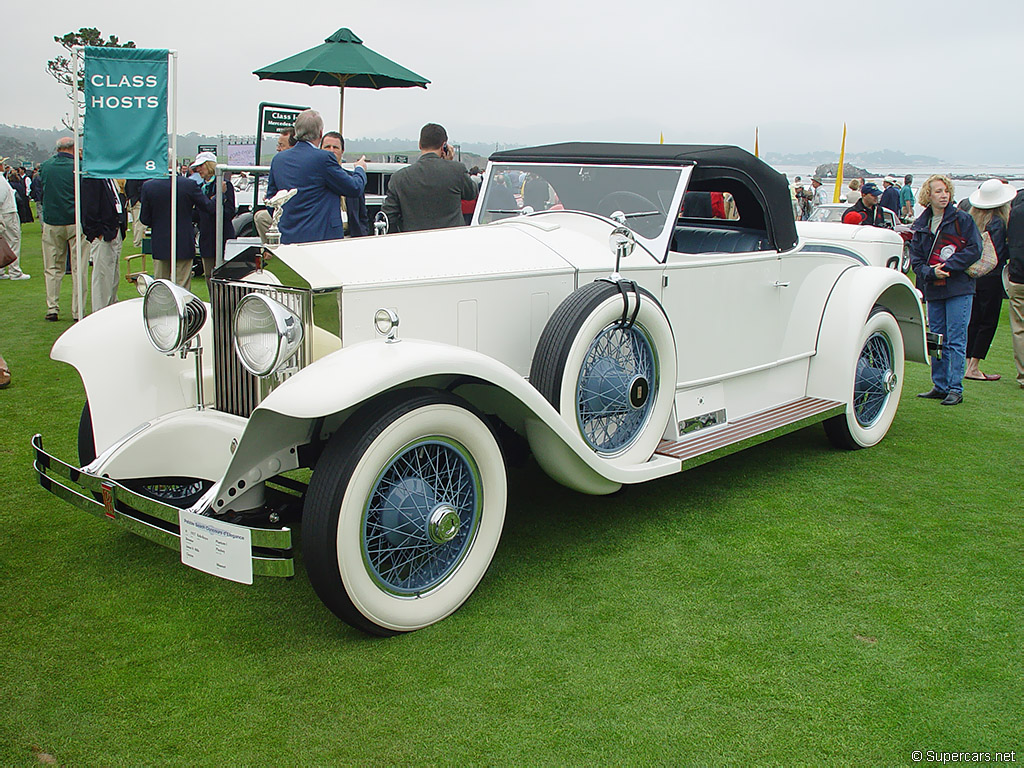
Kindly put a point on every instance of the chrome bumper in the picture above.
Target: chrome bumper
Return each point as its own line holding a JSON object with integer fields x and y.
{"x": 935, "y": 344}
{"x": 148, "y": 517}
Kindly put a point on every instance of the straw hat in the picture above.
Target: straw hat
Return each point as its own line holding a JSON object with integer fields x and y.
{"x": 992, "y": 194}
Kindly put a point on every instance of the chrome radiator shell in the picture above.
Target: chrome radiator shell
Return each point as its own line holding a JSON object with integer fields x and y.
{"x": 236, "y": 390}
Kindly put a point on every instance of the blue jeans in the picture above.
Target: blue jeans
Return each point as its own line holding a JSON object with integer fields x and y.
{"x": 950, "y": 317}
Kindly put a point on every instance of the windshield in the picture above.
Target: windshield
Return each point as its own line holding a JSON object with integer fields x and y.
{"x": 643, "y": 194}
{"x": 828, "y": 213}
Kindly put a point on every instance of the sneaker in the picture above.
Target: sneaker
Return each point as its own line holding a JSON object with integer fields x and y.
{"x": 5, "y": 276}
{"x": 51, "y": 316}
{"x": 22, "y": 276}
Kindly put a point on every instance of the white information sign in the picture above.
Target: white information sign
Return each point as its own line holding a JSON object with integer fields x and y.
{"x": 209, "y": 545}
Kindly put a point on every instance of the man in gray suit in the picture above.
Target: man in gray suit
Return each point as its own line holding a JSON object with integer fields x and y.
{"x": 429, "y": 193}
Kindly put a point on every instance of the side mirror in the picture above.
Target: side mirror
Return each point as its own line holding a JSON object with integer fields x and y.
{"x": 380, "y": 223}
{"x": 622, "y": 242}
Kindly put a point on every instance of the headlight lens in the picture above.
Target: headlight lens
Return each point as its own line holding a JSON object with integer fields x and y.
{"x": 266, "y": 333}
{"x": 173, "y": 316}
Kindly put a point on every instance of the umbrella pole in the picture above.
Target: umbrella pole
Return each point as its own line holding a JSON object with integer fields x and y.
{"x": 341, "y": 109}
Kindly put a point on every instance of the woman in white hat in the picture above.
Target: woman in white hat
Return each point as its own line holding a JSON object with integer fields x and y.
{"x": 990, "y": 207}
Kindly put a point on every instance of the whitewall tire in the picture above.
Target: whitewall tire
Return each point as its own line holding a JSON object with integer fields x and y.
{"x": 404, "y": 512}
{"x": 613, "y": 382}
{"x": 876, "y": 387}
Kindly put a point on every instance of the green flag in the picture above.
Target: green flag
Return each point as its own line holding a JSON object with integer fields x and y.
{"x": 125, "y": 113}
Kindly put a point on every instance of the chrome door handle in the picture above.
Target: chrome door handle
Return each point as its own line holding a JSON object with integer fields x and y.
{"x": 781, "y": 285}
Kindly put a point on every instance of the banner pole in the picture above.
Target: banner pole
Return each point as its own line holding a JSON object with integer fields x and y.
{"x": 218, "y": 182}
{"x": 76, "y": 273}
{"x": 174, "y": 167}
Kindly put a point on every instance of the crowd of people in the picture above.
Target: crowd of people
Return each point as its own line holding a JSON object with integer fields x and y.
{"x": 948, "y": 241}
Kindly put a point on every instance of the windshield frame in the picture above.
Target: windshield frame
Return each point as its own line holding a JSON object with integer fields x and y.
{"x": 657, "y": 246}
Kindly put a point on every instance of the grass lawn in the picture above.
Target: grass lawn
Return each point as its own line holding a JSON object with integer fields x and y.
{"x": 791, "y": 604}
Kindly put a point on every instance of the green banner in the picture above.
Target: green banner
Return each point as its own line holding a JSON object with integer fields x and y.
{"x": 125, "y": 113}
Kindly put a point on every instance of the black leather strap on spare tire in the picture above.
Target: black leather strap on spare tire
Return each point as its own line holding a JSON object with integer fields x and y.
{"x": 548, "y": 365}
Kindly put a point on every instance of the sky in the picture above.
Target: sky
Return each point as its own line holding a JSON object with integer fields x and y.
{"x": 925, "y": 79}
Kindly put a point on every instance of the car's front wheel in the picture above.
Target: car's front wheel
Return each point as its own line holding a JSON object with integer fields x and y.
{"x": 404, "y": 512}
{"x": 877, "y": 384}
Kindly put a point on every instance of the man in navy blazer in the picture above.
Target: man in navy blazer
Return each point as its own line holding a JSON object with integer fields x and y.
{"x": 315, "y": 212}
{"x": 156, "y": 214}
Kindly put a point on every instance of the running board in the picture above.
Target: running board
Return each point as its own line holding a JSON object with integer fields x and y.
{"x": 715, "y": 442}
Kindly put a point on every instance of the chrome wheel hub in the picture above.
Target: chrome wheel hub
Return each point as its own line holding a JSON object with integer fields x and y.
{"x": 443, "y": 525}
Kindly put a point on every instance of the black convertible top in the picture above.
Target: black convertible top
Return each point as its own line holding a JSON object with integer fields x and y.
{"x": 712, "y": 165}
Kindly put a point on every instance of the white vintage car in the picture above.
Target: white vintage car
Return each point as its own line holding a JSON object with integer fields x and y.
{"x": 613, "y": 339}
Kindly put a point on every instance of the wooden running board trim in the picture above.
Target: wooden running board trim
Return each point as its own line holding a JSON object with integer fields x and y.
{"x": 715, "y": 442}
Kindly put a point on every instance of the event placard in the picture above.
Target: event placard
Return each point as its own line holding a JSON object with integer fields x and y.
{"x": 216, "y": 547}
{"x": 125, "y": 113}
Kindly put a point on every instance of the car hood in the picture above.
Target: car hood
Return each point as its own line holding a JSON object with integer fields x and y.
{"x": 460, "y": 253}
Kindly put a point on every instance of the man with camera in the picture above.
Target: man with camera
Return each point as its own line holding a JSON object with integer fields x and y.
{"x": 429, "y": 193}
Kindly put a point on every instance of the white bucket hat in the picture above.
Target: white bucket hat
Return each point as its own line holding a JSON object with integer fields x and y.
{"x": 203, "y": 157}
{"x": 992, "y": 194}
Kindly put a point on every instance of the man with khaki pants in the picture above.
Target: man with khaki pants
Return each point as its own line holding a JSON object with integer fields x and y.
{"x": 1013, "y": 282}
{"x": 57, "y": 177}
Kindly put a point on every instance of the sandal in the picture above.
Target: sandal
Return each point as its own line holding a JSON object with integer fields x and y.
{"x": 985, "y": 377}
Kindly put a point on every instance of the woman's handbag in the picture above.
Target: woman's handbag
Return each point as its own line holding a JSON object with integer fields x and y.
{"x": 7, "y": 254}
{"x": 987, "y": 262}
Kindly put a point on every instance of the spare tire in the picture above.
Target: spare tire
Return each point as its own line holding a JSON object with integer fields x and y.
{"x": 608, "y": 367}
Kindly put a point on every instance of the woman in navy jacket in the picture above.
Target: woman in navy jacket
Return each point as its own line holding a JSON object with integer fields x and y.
{"x": 945, "y": 242}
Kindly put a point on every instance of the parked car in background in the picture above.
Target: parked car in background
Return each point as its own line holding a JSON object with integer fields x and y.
{"x": 377, "y": 177}
{"x": 833, "y": 213}
{"x": 608, "y": 337}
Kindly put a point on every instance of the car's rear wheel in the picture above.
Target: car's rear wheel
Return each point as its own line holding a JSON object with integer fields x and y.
{"x": 609, "y": 372}
{"x": 877, "y": 384}
{"x": 404, "y": 512}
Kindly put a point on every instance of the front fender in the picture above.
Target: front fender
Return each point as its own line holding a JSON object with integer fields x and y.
{"x": 853, "y": 296}
{"x": 348, "y": 378}
{"x": 127, "y": 382}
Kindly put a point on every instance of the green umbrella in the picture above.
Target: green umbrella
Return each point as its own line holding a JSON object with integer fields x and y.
{"x": 342, "y": 61}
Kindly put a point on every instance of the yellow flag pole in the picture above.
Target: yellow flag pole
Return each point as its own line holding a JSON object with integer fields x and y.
{"x": 839, "y": 173}
{"x": 662, "y": 140}
{"x": 756, "y": 153}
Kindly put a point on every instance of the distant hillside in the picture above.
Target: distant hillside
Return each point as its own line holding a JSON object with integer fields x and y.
{"x": 21, "y": 143}
{"x": 882, "y": 160}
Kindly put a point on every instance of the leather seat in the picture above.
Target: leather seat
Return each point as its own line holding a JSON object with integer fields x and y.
{"x": 715, "y": 240}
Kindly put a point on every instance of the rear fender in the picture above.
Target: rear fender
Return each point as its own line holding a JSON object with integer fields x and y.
{"x": 852, "y": 298}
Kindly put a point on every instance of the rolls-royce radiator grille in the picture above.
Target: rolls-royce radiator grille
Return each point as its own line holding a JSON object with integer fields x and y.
{"x": 236, "y": 390}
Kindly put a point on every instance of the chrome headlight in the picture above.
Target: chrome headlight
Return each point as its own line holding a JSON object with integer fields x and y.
{"x": 173, "y": 316}
{"x": 266, "y": 334}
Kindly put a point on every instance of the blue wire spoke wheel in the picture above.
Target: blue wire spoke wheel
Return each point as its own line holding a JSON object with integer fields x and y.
{"x": 404, "y": 511}
{"x": 613, "y": 394}
{"x": 421, "y": 516}
{"x": 875, "y": 379}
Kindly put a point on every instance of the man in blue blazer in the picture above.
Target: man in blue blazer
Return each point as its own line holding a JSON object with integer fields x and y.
{"x": 315, "y": 212}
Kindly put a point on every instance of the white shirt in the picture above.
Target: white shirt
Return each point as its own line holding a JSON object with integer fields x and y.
{"x": 8, "y": 202}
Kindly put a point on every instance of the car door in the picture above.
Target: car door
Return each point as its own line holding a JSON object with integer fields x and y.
{"x": 724, "y": 309}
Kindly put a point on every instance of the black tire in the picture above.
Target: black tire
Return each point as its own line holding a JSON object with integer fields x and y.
{"x": 404, "y": 512}
{"x": 86, "y": 438}
{"x": 877, "y": 384}
{"x": 625, "y": 421}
